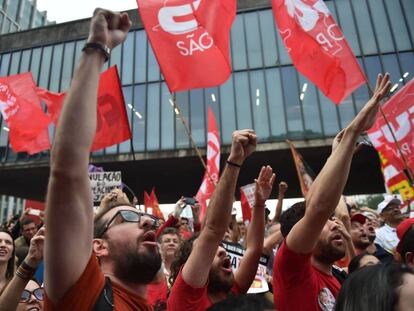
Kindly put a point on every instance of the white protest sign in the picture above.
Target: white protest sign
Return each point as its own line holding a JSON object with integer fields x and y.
{"x": 236, "y": 253}
{"x": 103, "y": 182}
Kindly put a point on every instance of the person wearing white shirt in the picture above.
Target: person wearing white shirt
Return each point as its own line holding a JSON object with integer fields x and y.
{"x": 390, "y": 211}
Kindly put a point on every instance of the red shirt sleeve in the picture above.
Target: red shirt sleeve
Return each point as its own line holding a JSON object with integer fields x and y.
{"x": 186, "y": 297}
{"x": 290, "y": 267}
{"x": 84, "y": 293}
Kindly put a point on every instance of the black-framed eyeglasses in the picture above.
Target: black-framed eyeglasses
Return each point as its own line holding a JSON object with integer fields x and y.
{"x": 130, "y": 216}
{"x": 26, "y": 294}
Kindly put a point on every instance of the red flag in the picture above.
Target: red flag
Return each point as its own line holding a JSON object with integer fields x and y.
{"x": 305, "y": 173}
{"x": 112, "y": 124}
{"x": 156, "y": 211}
{"x": 190, "y": 39}
{"x": 147, "y": 202}
{"x": 21, "y": 109}
{"x": 396, "y": 181}
{"x": 399, "y": 111}
{"x": 213, "y": 164}
{"x": 53, "y": 102}
{"x": 317, "y": 47}
{"x": 247, "y": 200}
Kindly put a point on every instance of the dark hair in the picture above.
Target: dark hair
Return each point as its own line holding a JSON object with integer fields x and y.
{"x": 27, "y": 221}
{"x": 290, "y": 217}
{"x": 243, "y": 303}
{"x": 372, "y": 288}
{"x": 168, "y": 230}
{"x": 180, "y": 260}
{"x": 98, "y": 221}
{"x": 10, "y": 264}
{"x": 407, "y": 243}
{"x": 355, "y": 262}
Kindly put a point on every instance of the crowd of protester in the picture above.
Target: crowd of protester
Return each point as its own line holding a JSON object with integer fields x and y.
{"x": 324, "y": 253}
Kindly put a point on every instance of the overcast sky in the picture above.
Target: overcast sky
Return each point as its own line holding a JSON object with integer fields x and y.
{"x": 63, "y": 11}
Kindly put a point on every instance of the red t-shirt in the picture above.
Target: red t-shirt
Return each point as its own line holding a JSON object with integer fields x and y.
{"x": 298, "y": 285}
{"x": 85, "y": 292}
{"x": 185, "y": 297}
{"x": 157, "y": 293}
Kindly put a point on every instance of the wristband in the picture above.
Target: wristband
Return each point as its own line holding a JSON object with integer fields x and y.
{"x": 106, "y": 51}
{"x": 25, "y": 266}
{"x": 233, "y": 164}
{"x": 24, "y": 274}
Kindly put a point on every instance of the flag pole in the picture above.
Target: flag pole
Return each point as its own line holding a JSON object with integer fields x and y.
{"x": 407, "y": 170}
{"x": 187, "y": 129}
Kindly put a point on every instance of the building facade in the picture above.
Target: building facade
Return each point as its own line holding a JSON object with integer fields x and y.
{"x": 265, "y": 92}
{"x": 17, "y": 15}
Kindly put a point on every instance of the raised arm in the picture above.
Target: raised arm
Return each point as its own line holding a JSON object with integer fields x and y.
{"x": 283, "y": 186}
{"x": 196, "y": 269}
{"x": 9, "y": 299}
{"x": 246, "y": 272}
{"x": 324, "y": 194}
{"x": 69, "y": 213}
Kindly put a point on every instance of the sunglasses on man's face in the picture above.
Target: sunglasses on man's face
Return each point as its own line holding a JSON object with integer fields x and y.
{"x": 130, "y": 216}
{"x": 26, "y": 294}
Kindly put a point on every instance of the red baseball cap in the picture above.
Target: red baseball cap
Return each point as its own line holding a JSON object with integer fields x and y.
{"x": 359, "y": 218}
{"x": 402, "y": 229}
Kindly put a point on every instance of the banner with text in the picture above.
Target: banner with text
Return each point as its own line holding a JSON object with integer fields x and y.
{"x": 236, "y": 253}
{"x": 103, "y": 182}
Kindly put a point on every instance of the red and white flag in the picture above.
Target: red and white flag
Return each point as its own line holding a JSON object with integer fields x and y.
{"x": 247, "y": 201}
{"x": 190, "y": 39}
{"x": 399, "y": 111}
{"x": 213, "y": 164}
{"x": 318, "y": 47}
{"x": 21, "y": 109}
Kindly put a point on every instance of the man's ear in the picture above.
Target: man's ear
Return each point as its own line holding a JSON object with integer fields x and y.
{"x": 100, "y": 247}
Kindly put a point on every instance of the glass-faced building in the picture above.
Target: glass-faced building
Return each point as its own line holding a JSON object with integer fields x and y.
{"x": 265, "y": 92}
{"x": 17, "y": 15}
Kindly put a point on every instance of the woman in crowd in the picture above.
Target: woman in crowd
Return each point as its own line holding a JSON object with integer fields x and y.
{"x": 379, "y": 288}
{"x": 361, "y": 261}
{"x": 22, "y": 293}
{"x": 6, "y": 258}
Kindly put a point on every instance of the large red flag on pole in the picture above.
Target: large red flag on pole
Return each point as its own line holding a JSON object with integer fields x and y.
{"x": 21, "y": 109}
{"x": 190, "y": 39}
{"x": 317, "y": 47}
{"x": 211, "y": 176}
{"x": 399, "y": 111}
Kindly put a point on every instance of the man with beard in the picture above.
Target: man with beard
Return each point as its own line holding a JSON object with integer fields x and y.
{"x": 302, "y": 271}
{"x": 390, "y": 211}
{"x": 202, "y": 273}
{"x": 359, "y": 234}
{"x": 363, "y": 236}
{"x": 122, "y": 238}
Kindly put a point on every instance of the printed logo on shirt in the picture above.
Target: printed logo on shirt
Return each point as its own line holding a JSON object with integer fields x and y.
{"x": 326, "y": 300}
